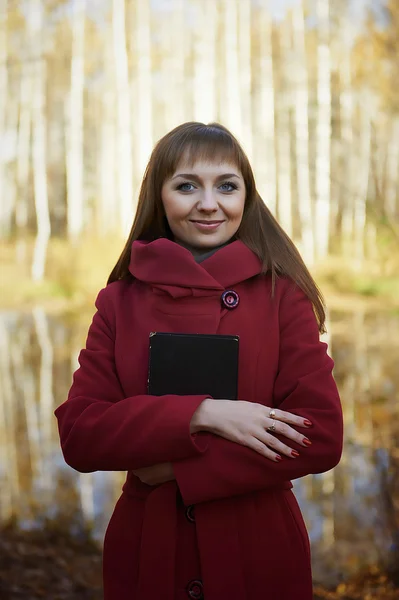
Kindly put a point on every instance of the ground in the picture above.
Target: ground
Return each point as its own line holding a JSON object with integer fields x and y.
{"x": 49, "y": 564}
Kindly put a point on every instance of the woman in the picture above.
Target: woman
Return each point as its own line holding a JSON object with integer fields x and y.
{"x": 206, "y": 510}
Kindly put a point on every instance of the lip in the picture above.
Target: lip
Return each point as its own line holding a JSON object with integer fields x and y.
{"x": 207, "y": 225}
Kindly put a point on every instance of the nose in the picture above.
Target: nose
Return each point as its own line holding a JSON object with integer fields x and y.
{"x": 208, "y": 201}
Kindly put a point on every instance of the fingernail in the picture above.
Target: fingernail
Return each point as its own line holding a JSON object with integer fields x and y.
{"x": 278, "y": 457}
{"x": 294, "y": 453}
{"x": 308, "y": 423}
{"x": 307, "y": 442}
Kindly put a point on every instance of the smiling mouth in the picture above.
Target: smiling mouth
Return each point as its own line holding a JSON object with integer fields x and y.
{"x": 202, "y": 222}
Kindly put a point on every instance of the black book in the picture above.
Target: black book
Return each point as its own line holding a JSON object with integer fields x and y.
{"x": 193, "y": 364}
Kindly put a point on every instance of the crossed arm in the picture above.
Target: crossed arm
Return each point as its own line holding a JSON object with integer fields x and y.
{"x": 213, "y": 450}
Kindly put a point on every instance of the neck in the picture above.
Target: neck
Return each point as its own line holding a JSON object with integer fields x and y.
{"x": 198, "y": 252}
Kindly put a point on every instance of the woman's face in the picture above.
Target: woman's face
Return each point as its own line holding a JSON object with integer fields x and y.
{"x": 204, "y": 203}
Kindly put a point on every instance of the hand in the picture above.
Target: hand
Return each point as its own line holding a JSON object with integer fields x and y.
{"x": 247, "y": 423}
{"x": 156, "y": 474}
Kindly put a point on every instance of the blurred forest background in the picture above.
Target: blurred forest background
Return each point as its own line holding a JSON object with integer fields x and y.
{"x": 87, "y": 87}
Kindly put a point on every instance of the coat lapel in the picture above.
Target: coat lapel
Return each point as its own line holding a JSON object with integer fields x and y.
{"x": 163, "y": 263}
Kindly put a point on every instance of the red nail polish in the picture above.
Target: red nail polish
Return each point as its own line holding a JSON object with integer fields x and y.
{"x": 294, "y": 453}
{"x": 308, "y": 423}
{"x": 307, "y": 442}
{"x": 278, "y": 457}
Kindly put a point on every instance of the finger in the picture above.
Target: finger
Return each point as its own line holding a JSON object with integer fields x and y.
{"x": 276, "y": 445}
{"x": 286, "y": 430}
{"x": 262, "y": 449}
{"x": 287, "y": 417}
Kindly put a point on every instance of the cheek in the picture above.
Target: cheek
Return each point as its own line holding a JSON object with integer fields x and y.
{"x": 174, "y": 206}
{"x": 235, "y": 211}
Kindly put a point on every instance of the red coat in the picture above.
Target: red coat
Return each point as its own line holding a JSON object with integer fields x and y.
{"x": 246, "y": 538}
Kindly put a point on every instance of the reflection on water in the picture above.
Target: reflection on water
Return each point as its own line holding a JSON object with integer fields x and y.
{"x": 348, "y": 511}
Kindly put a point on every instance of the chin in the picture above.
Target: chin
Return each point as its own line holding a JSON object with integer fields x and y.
{"x": 197, "y": 239}
{"x": 209, "y": 241}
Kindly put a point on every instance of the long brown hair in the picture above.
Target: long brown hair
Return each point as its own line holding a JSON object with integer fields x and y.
{"x": 259, "y": 230}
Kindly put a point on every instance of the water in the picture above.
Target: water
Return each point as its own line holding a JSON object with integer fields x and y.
{"x": 350, "y": 512}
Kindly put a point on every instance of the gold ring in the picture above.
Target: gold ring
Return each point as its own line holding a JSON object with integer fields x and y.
{"x": 272, "y": 414}
{"x": 272, "y": 426}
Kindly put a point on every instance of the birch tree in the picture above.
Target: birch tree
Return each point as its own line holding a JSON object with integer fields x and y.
{"x": 348, "y": 150}
{"x": 74, "y": 151}
{"x": 86, "y": 493}
{"x": 284, "y": 207}
{"x": 143, "y": 95}
{"x": 245, "y": 81}
{"x": 108, "y": 217}
{"x": 181, "y": 100}
{"x": 391, "y": 190}
{"x": 124, "y": 135}
{"x": 205, "y": 61}
{"x": 362, "y": 175}
{"x": 12, "y": 114}
{"x": 35, "y": 25}
{"x": 174, "y": 98}
{"x": 46, "y": 399}
{"x": 323, "y": 130}
{"x": 23, "y": 157}
{"x": 302, "y": 134}
{"x": 3, "y": 109}
{"x": 8, "y": 446}
{"x": 25, "y": 388}
{"x": 230, "y": 101}
{"x": 265, "y": 155}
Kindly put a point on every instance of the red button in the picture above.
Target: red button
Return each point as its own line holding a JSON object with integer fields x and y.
{"x": 190, "y": 513}
{"x": 230, "y": 299}
{"x": 195, "y": 589}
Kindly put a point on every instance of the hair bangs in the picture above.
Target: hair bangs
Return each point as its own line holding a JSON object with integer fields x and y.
{"x": 204, "y": 143}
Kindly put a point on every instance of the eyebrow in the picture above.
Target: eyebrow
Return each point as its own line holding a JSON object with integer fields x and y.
{"x": 197, "y": 178}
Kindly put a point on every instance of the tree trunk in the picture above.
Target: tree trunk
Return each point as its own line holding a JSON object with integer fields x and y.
{"x": 392, "y": 172}
{"x": 205, "y": 61}
{"x": 86, "y": 493}
{"x": 46, "y": 399}
{"x": 35, "y": 21}
{"x": 23, "y": 159}
{"x": 245, "y": 65}
{"x": 4, "y": 204}
{"x": 230, "y": 102}
{"x": 284, "y": 207}
{"x": 348, "y": 151}
{"x": 264, "y": 114}
{"x": 144, "y": 84}
{"x": 362, "y": 173}
{"x": 12, "y": 114}
{"x": 323, "y": 131}
{"x": 8, "y": 445}
{"x": 74, "y": 155}
{"x": 108, "y": 217}
{"x": 173, "y": 76}
{"x": 124, "y": 141}
{"x": 25, "y": 388}
{"x": 302, "y": 135}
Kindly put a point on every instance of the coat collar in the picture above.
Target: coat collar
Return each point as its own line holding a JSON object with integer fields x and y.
{"x": 165, "y": 263}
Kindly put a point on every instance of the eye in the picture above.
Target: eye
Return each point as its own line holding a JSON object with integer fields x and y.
{"x": 228, "y": 186}
{"x": 185, "y": 187}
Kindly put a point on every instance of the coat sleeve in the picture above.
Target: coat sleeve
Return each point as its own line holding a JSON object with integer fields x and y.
{"x": 100, "y": 429}
{"x": 305, "y": 386}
